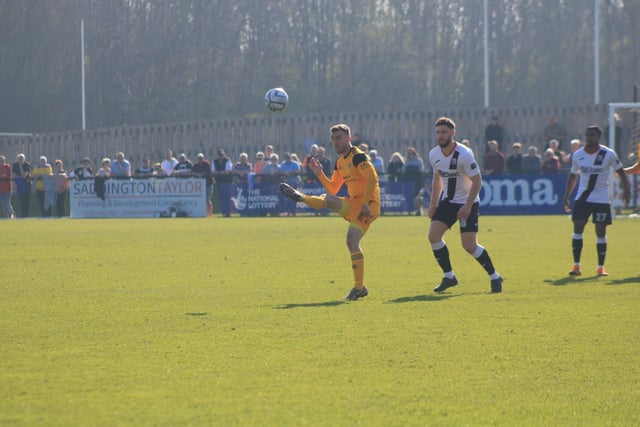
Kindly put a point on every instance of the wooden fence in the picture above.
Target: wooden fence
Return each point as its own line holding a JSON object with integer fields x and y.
{"x": 386, "y": 131}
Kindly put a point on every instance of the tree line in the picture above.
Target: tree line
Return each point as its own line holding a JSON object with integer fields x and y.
{"x": 164, "y": 61}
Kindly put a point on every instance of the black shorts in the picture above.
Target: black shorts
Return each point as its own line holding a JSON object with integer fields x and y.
{"x": 447, "y": 212}
{"x": 601, "y": 212}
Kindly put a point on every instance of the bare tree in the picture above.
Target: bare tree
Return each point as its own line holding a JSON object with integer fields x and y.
{"x": 151, "y": 61}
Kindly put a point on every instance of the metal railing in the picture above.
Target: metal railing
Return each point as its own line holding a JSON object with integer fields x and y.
{"x": 388, "y": 132}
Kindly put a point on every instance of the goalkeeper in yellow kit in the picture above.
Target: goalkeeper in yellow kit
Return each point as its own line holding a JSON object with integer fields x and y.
{"x": 360, "y": 208}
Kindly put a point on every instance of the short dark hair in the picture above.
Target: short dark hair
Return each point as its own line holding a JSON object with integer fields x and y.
{"x": 341, "y": 127}
{"x": 594, "y": 128}
{"x": 446, "y": 121}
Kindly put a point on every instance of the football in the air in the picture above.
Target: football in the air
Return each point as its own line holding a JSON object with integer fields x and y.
{"x": 276, "y": 99}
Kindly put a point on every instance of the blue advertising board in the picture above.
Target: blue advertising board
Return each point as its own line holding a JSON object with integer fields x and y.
{"x": 537, "y": 194}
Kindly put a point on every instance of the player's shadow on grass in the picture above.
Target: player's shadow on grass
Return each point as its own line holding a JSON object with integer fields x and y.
{"x": 311, "y": 304}
{"x": 624, "y": 281}
{"x": 568, "y": 280}
{"x": 604, "y": 280}
{"x": 571, "y": 279}
{"x": 420, "y": 298}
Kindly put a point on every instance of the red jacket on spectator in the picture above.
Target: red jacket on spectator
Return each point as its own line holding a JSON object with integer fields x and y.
{"x": 5, "y": 178}
{"x": 493, "y": 163}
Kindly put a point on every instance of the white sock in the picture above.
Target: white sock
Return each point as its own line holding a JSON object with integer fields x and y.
{"x": 478, "y": 251}
{"x": 438, "y": 245}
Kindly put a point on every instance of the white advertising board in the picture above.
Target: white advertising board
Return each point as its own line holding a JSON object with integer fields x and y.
{"x": 139, "y": 198}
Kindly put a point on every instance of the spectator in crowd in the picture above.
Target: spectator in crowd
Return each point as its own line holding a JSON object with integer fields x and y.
{"x": 324, "y": 161}
{"x": 561, "y": 155}
{"x": 21, "y": 170}
{"x": 105, "y": 170}
{"x": 158, "y": 171}
{"x": 258, "y": 165}
{"x": 291, "y": 171}
{"x": 413, "y": 162}
{"x": 268, "y": 151}
{"x": 83, "y": 171}
{"x": 62, "y": 187}
{"x": 309, "y": 141}
{"x": 242, "y": 169}
{"x": 271, "y": 171}
{"x": 184, "y": 166}
{"x": 309, "y": 176}
{"x": 294, "y": 158}
{"x": 494, "y": 132}
{"x": 413, "y": 171}
{"x": 423, "y": 199}
{"x": 5, "y": 189}
{"x": 574, "y": 146}
{"x": 42, "y": 170}
{"x": 550, "y": 163}
{"x": 221, "y": 170}
{"x": 169, "y": 162}
{"x": 394, "y": 168}
{"x": 101, "y": 176}
{"x": 493, "y": 160}
{"x": 120, "y": 167}
{"x": 554, "y": 130}
{"x": 514, "y": 161}
{"x": 531, "y": 163}
{"x": 378, "y": 164}
{"x": 202, "y": 169}
{"x": 145, "y": 170}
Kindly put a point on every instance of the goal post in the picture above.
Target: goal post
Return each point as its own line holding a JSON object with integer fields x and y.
{"x": 627, "y": 116}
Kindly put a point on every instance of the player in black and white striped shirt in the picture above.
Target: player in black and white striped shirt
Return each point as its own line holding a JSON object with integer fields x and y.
{"x": 593, "y": 163}
{"x": 455, "y": 197}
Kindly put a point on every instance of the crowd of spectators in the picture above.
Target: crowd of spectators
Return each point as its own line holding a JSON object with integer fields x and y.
{"x": 553, "y": 160}
{"x": 50, "y": 183}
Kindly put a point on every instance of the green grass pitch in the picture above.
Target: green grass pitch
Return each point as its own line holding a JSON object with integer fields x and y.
{"x": 241, "y": 322}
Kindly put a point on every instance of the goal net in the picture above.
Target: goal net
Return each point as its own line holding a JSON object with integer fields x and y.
{"x": 624, "y": 137}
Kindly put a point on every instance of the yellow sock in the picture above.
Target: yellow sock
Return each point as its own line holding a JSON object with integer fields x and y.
{"x": 316, "y": 202}
{"x": 357, "y": 264}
